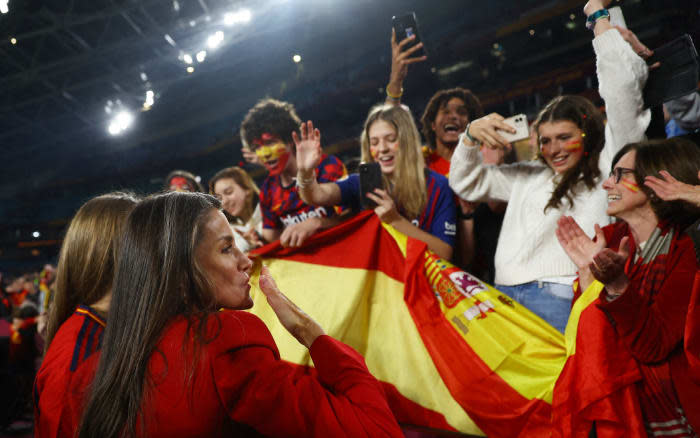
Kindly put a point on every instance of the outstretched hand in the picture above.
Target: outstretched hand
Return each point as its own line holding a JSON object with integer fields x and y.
{"x": 308, "y": 147}
{"x": 669, "y": 188}
{"x": 580, "y": 248}
{"x": 295, "y": 321}
{"x": 485, "y": 130}
{"x": 401, "y": 59}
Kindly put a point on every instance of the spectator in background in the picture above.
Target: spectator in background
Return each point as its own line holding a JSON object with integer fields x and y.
{"x": 576, "y": 149}
{"x": 647, "y": 264}
{"x": 682, "y": 115}
{"x": 77, "y": 314}
{"x": 267, "y": 130}
{"x": 415, "y": 200}
{"x": 239, "y": 197}
{"x": 182, "y": 181}
{"x": 174, "y": 364}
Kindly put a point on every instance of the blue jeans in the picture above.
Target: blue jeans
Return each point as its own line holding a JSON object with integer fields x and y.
{"x": 549, "y": 301}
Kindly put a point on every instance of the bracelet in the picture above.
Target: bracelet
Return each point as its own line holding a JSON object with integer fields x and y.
{"x": 305, "y": 182}
{"x": 594, "y": 17}
{"x": 391, "y": 95}
{"x": 469, "y": 137}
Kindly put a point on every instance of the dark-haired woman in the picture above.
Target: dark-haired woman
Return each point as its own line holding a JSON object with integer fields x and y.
{"x": 77, "y": 313}
{"x": 172, "y": 365}
{"x": 576, "y": 149}
{"x": 647, "y": 265}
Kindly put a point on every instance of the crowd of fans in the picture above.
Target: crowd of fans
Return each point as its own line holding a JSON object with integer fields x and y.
{"x": 139, "y": 281}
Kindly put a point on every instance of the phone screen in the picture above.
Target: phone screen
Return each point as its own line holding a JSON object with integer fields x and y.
{"x": 406, "y": 26}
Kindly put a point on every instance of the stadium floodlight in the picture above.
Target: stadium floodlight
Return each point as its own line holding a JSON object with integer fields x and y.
{"x": 190, "y": 69}
{"x": 296, "y": 58}
{"x": 215, "y": 40}
{"x": 187, "y": 58}
{"x": 4, "y": 7}
{"x": 150, "y": 99}
{"x": 36, "y": 234}
{"x": 201, "y": 55}
{"x": 120, "y": 123}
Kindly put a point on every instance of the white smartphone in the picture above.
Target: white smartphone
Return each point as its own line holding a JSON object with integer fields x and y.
{"x": 616, "y": 17}
{"x": 519, "y": 122}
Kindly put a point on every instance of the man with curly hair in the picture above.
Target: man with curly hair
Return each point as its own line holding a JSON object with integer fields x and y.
{"x": 267, "y": 131}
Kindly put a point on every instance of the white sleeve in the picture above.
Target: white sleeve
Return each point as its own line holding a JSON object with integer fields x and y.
{"x": 621, "y": 78}
{"x": 473, "y": 181}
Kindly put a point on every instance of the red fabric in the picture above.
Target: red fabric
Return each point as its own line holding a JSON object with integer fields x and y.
{"x": 435, "y": 162}
{"x": 65, "y": 372}
{"x": 496, "y": 407}
{"x": 692, "y": 332}
{"x": 596, "y": 383}
{"x": 242, "y": 378}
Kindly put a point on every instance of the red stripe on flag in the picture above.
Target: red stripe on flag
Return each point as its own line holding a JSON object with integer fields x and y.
{"x": 497, "y": 408}
{"x": 377, "y": 251}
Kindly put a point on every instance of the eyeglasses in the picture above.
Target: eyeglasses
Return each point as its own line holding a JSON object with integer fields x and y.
{"x": 618, "y": 172}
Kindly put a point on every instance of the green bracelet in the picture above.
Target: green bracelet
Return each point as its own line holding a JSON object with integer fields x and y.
{"x": 469, "y": 137}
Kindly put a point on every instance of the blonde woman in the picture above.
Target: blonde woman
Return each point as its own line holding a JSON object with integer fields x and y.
{"x": 415, "y": 200}
{"x": 240, "y": 199}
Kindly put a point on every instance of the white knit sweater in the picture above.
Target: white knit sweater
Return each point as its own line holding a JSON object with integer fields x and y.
{"x": 528, "y": 249}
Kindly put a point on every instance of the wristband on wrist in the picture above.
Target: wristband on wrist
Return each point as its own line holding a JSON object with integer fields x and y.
{"x": 469, "y": 137}
{"x": 594, "y": 17}
{"x": 305, "y": 181}
{"x": 395, "y": 97}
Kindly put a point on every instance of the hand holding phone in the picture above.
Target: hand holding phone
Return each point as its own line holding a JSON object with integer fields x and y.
{"x": 370, "y": 179}
{"x": 407, "y": 26}
{"x": 522, "y": 129}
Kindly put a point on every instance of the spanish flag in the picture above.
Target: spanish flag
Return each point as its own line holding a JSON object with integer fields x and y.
{"x": 453, "y": 353}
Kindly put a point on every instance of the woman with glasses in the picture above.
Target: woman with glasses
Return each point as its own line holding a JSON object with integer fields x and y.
{"x": 646, "y": 262}
{"x": 576, "y": 148}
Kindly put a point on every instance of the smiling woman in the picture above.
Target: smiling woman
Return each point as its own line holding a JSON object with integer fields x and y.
{"x": 576, "y": 149}
{"x": 647, "y": 263}
{"x": 414, "y": 200}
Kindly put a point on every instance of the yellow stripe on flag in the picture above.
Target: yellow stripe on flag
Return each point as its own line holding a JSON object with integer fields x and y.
{"x": 587, "y": 297}
{"x": 365, "y": 309}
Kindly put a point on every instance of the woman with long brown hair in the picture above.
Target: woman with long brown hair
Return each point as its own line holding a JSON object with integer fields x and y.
{"x": 576, "y": 149}
{"x": 171, "y": 364}
{"x": 80, "y": 305}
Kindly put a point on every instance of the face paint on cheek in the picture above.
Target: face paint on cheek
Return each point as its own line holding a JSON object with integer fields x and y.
{"x": 373, "y": 153}
{"x": 630, "y": 185}
{"x": 573, "y": 145}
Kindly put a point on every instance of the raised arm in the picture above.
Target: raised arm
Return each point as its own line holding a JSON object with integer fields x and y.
{"x": 308, "y": 158}
{"x": 622, "y": 74}
{"x": 400, "y": 60}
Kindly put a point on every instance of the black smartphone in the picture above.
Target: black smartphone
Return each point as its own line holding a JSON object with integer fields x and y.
{"x": 405, "y": 26}
{"x": 677, "y": 74}
{"x": 370, "y": 179}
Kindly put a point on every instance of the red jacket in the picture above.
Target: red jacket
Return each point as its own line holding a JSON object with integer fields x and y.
{"x": 653, "y": 327}
{"x": 65, "y": 372}
{"x": 242, "y": 388}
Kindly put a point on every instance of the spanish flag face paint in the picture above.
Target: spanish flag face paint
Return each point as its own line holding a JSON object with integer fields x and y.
{"x": 630, "y": 185}
{"x": 273, "y": 153}
{"x": 573, "y": 145}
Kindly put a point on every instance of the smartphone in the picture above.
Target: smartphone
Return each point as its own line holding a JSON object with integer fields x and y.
{"x": 405, "y": 26}
{"x": 370, "y": 179}
{"x": 519, "y": 122}
{"x": 616, "y": 17}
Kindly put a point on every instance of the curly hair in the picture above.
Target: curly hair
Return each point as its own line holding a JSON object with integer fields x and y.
{"x": 439, "y": 100}
{"x": 679, "y": 157}
{"x": 271, "y": 116}
{"x": 582, "y": 113}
